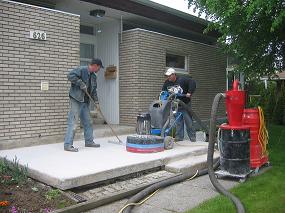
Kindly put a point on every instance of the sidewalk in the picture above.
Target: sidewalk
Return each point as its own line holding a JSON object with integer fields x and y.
{"x": 175, "y": 198}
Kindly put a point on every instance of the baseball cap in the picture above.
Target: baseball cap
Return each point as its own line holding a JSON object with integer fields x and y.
{"x": 97, "y": 61}
{"x": 170, "y": 71}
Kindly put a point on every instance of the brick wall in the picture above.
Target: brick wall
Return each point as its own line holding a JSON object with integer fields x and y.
{"x": 142, "y": 67}
{"x": 27, "y": 113}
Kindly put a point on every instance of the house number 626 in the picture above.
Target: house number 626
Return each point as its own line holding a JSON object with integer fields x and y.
{"x": 38, "y": 35}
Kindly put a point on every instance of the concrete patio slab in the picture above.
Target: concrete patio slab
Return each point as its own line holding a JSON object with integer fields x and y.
{"x": 54, "y": 166}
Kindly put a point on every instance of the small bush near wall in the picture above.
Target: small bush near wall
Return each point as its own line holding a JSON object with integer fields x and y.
{"x": 279, "y": 106}
{"x": 270, "y": 99}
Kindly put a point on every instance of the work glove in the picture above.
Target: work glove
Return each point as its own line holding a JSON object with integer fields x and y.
{"x": 188, "y": 95}
{"x": 83, "y": 87}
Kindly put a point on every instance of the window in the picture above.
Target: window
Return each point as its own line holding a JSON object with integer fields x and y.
{"x": 86, "y": 53}
{"x": 231, "y": 75}
{"x": 176, "y": 61}
{"x": 87, "y": 48}
{"x": 86, "y": 30}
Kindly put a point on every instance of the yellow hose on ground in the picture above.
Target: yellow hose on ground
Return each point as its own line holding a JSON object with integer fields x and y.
{"x": 191, "y": 178}
{"x": 137, "y": 204}
{"x": 263, "y": 133}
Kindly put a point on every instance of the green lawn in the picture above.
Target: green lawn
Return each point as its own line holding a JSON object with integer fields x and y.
{"x": 263, "y": 193}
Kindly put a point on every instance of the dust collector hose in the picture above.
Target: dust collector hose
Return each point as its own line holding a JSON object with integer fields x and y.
{"x": 142, "y": 194}
{"x": 212, "y": 136}
{"x": 193, "y": 114}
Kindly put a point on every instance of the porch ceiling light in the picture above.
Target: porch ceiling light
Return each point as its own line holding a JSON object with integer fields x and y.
{"x": 97, "y": 13}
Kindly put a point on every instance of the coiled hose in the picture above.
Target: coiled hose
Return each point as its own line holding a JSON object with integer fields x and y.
{"x": 212, "y": 135}
{"x": 263, "y": 133}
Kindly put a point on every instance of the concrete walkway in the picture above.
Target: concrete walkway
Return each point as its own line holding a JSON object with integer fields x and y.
{"x": 175, "y": 198}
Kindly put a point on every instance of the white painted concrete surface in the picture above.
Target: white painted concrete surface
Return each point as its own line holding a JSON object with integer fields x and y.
{"x": 56, "y": 167}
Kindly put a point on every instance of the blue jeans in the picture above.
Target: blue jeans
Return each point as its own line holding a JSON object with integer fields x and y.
{"x": 187, "y": 119}
{"x": 76, "y": 110}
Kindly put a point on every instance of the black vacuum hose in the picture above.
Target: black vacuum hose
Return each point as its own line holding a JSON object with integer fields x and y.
{"x": 194, "y": 115}
{"x": 212, "y": 139}
{"x": 147, "y": 191}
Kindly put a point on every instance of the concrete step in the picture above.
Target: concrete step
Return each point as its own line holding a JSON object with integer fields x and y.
{"x": 189, "y": 164}
{"x": 97, "y": 118}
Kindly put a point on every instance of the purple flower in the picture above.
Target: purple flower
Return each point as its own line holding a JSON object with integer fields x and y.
{"x": 14, "y": 209}
{"x": 47, "y": 210}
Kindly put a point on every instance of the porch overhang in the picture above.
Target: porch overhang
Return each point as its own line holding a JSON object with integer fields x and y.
{"x": 165, "y": 15}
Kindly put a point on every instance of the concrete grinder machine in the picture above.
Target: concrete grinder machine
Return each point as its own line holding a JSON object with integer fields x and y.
{"x": 156, "y": 128}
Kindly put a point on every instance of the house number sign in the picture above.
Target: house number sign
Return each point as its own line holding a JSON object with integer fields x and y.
{"x": 38, "y": 35}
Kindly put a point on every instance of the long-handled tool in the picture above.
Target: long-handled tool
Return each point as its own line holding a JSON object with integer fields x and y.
{"x": 114, "y": 133}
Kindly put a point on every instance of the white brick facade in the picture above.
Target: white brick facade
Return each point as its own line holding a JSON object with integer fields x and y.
{"x": 26, "y": 112}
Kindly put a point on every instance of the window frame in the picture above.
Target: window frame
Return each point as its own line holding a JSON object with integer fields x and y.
{"x": 235, "y": 76}
{"x": 88, "y": 39}
{"x": 231, "y": 64}
{"x": 87, "y": 60}
{"x": 178, "y": 70}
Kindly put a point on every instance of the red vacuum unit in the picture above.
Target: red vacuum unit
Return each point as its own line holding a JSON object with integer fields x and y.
{"x": 241, "y": 146}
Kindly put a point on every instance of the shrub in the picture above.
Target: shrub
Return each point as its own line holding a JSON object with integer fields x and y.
{"x": 272, "y": 99}
{"x": 12, "y": 172}
{"x": 260, "y": 96}
{"x": 279, "y": 111}
{"x": 53, "y": 194}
